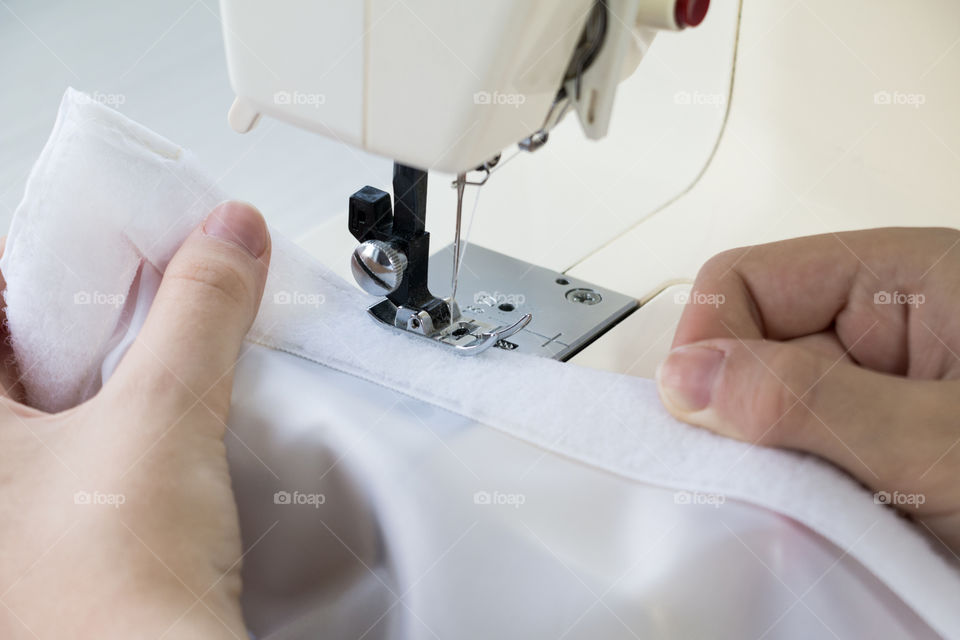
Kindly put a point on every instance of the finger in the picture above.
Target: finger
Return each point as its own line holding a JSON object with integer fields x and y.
{"x": 803, "y": 286}
{"x": 784, "y": 395}
{"x": 825, "y": 343}
{"x": 204, "y": 307}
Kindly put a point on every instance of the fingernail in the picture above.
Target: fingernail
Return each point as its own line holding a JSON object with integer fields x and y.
{"x": 686, "y": 377}
{"x": 238, "y": 223}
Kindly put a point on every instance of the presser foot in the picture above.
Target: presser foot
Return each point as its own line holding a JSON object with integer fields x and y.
{"x": 467, "y": 336}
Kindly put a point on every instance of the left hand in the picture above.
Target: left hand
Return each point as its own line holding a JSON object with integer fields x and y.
{"x": 118, "y": 516}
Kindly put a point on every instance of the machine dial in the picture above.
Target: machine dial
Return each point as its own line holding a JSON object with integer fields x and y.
{"x": 378, "y": 267}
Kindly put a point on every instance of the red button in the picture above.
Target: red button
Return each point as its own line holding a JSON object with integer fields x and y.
{"x": 690, "y": 13}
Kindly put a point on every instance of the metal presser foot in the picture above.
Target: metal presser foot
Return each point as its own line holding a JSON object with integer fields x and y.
{"x": 392, "y": 260}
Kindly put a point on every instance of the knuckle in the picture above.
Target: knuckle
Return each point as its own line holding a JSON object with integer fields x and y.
{"x": 945, "y": 232}
{"x": 930, "y": 238}
{"x": 719, "y": 262}
{"x": 717, "y": 266}
{"x": 944, "y": 236}
{"x": 213, "y": 277}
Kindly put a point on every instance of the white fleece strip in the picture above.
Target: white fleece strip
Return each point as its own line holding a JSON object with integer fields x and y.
{"x": 108, "y": 195}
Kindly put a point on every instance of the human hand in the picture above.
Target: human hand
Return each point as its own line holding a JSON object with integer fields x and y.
{"x": 842, "y": 345}
{"x": 118, "y": 516}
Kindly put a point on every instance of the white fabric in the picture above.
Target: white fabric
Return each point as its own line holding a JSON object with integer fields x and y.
{"x": 399, "y": 446}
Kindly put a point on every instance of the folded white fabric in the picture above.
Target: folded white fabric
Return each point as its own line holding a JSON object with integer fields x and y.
{"x": 109, "y": 199}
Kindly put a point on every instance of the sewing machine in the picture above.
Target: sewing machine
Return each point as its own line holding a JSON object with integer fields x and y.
{"x": 498, "y": 76}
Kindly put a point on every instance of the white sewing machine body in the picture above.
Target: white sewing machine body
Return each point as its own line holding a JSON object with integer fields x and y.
{"x": 448, "y": 95}
{"x": 451, "y": 102}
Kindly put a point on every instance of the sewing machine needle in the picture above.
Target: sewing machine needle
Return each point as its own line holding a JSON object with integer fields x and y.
{"x": 461, "y": 183}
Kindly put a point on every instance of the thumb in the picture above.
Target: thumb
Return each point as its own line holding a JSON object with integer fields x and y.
{"x": 204, "y": 307}
{"x": 784, "y": 395}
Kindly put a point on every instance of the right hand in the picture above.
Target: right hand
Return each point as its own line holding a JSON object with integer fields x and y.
{"x": 843, "y": 345}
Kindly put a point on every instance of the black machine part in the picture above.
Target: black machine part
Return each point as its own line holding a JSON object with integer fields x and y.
{"x": 403, "y": 227}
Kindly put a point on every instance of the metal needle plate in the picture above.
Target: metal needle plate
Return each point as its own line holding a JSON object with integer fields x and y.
{"x": 497, "y": 291}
